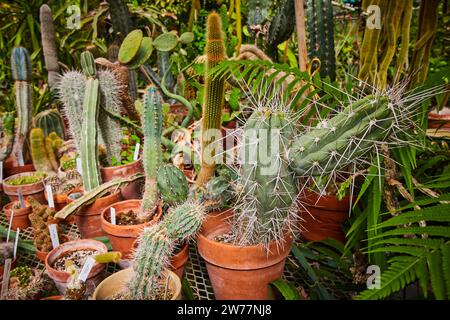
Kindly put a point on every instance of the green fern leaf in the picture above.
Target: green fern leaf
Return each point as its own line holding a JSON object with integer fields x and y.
{"x": 445, "y": 249}
{"x": 437, "y": 231}
{"x": 434, "y": 261}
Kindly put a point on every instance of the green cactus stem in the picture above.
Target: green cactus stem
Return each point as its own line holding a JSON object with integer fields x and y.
{"x": 173, "y": 185}
{"x": 21, "y": 72}
{"x": 48, "y": 37}
{"x": 7, "y": 121}
{"x": 281, "y": 26}
{"x": 50, "y": 121}
{"x": 41, "y": 160}
{"x": 214, "y": 98}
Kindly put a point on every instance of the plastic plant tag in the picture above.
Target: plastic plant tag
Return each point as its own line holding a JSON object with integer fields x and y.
{"x": 136, "y": 151}
{"x": 48, "y": 189}
{"x": 20, "y": 158}
{"x": 79, "y": 168}
{"x": 90, "y": 261}
{"x": 1, "y": 172}
{"x": 16, "y": 242}
{"x": 53, "y": 229}
{"x": 10, "y": 225}
{"x": 113, "y": 215}
{"x": 21, "y": 200}
{"x": 5, "y": 282}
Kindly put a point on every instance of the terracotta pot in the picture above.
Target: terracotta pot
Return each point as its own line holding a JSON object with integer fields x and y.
{"x": 439, "y": 119}
{"x": 215, "y": 218}
{"x": 9, "y": 169}
{"x": 35, "y": 190}
{"x": 241, "y": 272}
{"x": 179, "y": 260}
{"x": 88, "y": 218}
{"x": 132, "y": 190}
{"x": 61, "y": 277}
{"x": 42, "y": 255}
{"x": 122, "y": 238}
{"x": 116, "y": 282}
{"x": 53, "y": 298}
{"x": 321, "y": 217}
{"x": 20, "y": 217}
{"x": 189, "y": 173}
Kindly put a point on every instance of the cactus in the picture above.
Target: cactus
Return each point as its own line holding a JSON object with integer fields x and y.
{"x": 156, "y": 244}
{"x": 152, "y": 127}
{"x": 321, "y": 35}
{"x": 281, "y": 25}
{"x": 43, "y": 158}
{"x": 7, "y": 134}
{"x": 120, "y": 16}
{"x": 165, "y": 42}
{"x": 172, "y": 185}
{"x": 21, "y": 72}
{"x": 258, "y": 11}
{"x": 214, "y": 96}
{"x": 50, "y": 121}
{"x": 48, "y": 37}
{"x": 143, "y": 54}
{"x": 332, "y": 144}
{"x": 130, "y": 46}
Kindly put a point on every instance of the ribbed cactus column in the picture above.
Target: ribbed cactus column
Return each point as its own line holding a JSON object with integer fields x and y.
{"x": 21, "y": 72}
{"x": 89, "y": 150}
{"x": 156, "y": 245}
{"x": 152, "y": 127}
{"x": 48, "y": 36}
{"x": 213, "y": 100}
{"x": 7, "y": 128}
{"x": 39, "y": 155}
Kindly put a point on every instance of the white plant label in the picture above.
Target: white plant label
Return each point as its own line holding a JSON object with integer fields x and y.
{"x": 53, "y": 229}
{"x": 113, "y": 215}
{"x": 136, "y": 151}
{"x": 79, "y": 168}
{"x": 20, "y": 158}
{"x": 1, "y": 172}
{"x": 48, "y": 189}
{"x": 90, "y": 262}
{"x": 21, "y": 200}
{"x": 16, "y": 242}
{"x": 5, "y": 282}
{"x": 10, "y": 225}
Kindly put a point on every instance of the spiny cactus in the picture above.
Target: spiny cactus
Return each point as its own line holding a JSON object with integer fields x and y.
{"x": 21, "y": 72}
{"x": 48, "y": 37}
{"x": 281, "y": 25}
{"x": 173, "y": 185}
{"x": 258, "y": 10}
{"x": 214, "y": 97}
{"x": 7, "y": 121}
{"x": 50, "y": 121}
{"x": 42, "y": 160}
{"x": 156, "y": 245}
{"x": 152, "y": 127}
{"x": 320, "y": 27}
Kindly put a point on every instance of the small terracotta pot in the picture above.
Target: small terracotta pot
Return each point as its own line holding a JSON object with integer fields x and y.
{"x": 122, "y": 238}
{"x": 132, "y": 190}
{"x": 215, "y": 218}
{"x": 321, "y": 216}
{"x": 35, "y": 190}
{"x": 179, "y": 260}
{"x": 42, "y": 255}
{"x": 241, "y": 272}
{"x": 88, "y": 218}
{"x": 20, "y": 217}
{"x": 60, "y": 200}
{"x": 9, "y": 169}
{"x": 61, "y": 277}
{"x": 116, "y": 282}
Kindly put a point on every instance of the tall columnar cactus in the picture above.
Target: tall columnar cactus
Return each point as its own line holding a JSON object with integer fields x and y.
{"x": 213, "y": 99}
{"x": 49, "y": 45}
{"x": 173, "y": 185}
{"x": 152, "y": 127}
{"x": 89, "y": 150}
{"x": 7, "y": 134}
{"x": 319, "y": 16}
{"x": 42, "y": 160}
{"x": 21, "y": 72}
{"x": 50, "y": 121}
{"x": 281, "y": 25}
{"x": 156, "y": 245}
{"x": 258, "y": 10}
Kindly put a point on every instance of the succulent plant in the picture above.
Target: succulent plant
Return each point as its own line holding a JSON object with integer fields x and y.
{"x": 172, "y": 184}
{"x": 42, "y": 155}
{"x": 7, "y": 134}
{"x": 50, "y": 121}
{"x": 48, "y": 37}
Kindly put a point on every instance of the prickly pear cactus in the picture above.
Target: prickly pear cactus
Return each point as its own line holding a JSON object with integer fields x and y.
{"x": 166, "y": 42}
{"x": 319, "y": 16}
{"x": 130, "y": 46}
{"x": 173, "y": 185}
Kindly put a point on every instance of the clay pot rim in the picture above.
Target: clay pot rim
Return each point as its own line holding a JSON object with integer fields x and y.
{"x": 63, "y": 237}
{"x": 20, "y": 211}
{"x": 5, "y": 181}
{"x": 130, "y": 164}
{"x": 179, "y": 259}
{"x": 60, "y": 275}
{"x": 119, "y": 230}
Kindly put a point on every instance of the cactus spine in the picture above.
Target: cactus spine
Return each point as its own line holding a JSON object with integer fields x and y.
{"x": 21, "y": 72}
{"x": 48, "y": 37}
{"x": 7, "y": 134}
{"x": 152, "y": 127}
{"x": 50, "y": 121}
{"x": 321, "y": 35}
{"x": 42, "y": 155}
{"x": 173, "y": 185}
{"x": 89, "y": 150}
{"x": 214, "y": 97}
{"x": 156, "y": 245}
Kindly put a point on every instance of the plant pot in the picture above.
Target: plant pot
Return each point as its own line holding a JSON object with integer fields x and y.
{"x": 20, "y": 217}
{"x": 189, "y": 174}
{"x": 179, "y": 260}
{"x": 42, "y": 255}
{"x": 59, "y": 200}
{"x": 88, "y": 218}
{"x": 321, "y": 216}
{"x": 215, "y": 218}
{"x": 9, "y": 169}
{"x": 116, "y": 282}
{"x": 122, "y": 238}
{"x": 35, "y": 190}
{"x": 132, "y": 190}
{"x": 96, "y": 275}
{"x": 241, "y": 272}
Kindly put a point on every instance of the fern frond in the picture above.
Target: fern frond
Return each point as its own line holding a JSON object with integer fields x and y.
{"x": 434, "y": 261}
{"x": 428, "y": 243}
{"x": 445, "y": 249}
{"x": 436, "y": 231}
